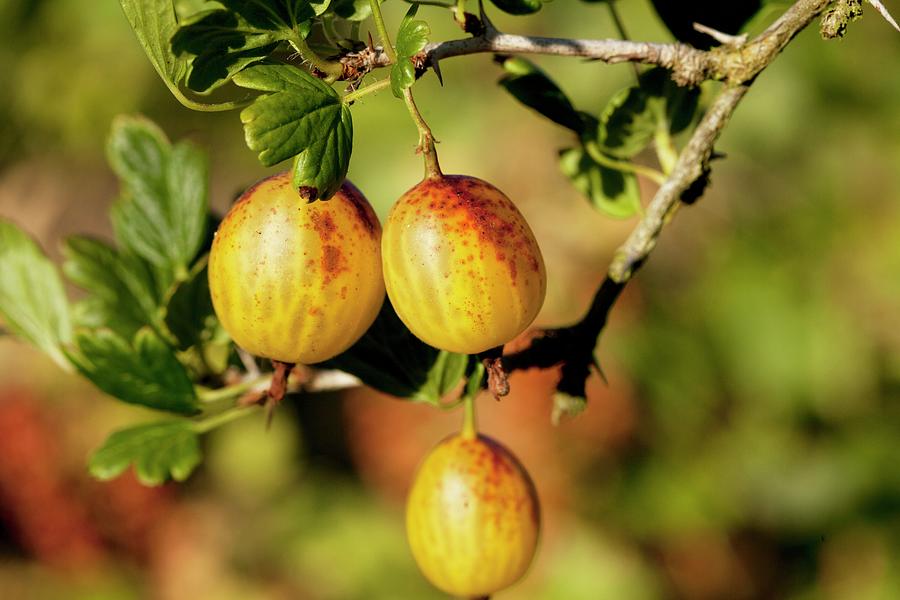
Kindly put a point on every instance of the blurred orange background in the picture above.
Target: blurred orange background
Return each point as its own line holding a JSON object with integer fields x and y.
{"x": 746, "y": 444}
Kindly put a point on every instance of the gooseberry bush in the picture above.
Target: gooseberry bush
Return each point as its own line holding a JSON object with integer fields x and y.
{"x": 209, "y": 320}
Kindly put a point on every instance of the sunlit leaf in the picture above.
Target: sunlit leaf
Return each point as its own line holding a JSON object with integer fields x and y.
{"x": 300, "y": 116}
{"x": 141, "y": 371}
{"x": 158, "y": 451}
{"x": 162, "y": 212}
{"x": 32, "y": 299}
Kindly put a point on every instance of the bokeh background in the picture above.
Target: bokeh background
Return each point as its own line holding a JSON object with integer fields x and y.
{"x": 747, "y": 444}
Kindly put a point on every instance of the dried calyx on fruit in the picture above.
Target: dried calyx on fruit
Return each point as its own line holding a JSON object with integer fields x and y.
{"x": 297, "y": 281}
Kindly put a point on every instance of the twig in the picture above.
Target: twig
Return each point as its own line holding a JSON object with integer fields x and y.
{"x": 690, "y": 167}
{"x": 690, "y": 66}
{"x": 723, "y": 38}
{"x": 573, "y": 347}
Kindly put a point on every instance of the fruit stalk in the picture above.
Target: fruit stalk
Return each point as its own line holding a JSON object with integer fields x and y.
{"x": 470, "y": 424}
{"x": 426, "y": 138}
{"x": 382, "y": 31}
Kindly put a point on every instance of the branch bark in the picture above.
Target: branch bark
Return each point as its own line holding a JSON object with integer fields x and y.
{"x": 573, "y": 347}
{"x": 735, "y": 64}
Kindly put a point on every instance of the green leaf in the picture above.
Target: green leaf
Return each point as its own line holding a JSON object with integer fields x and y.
{"x": 32, "y": 299}
{"x": 613, "y": 192}
{"x": 144, "y": 372}
{"x": 162, "y": 213}
{"x": 628, "y": 123}
{"x": 413, "y": 34}
{"x": 392, "y": 360}
{"x": 123, "y": 294}
{"x": 189, "y": 314}
{"x": 299, "y": 115}
{"x": 352, "y": 10}
{"x": 632, "y": 116}
{"x": 411, "y": 39}
{"x": 158, "y": 451}
{"x": 518, "y": 7}
{"x": 403, "y": 76}
{"x": 474, "y": 377}
{"x": 680, "y": 103}
{"x": 223, "y": 42}
{"x": 153, "y": 21}
{"x": 533, "y": 88}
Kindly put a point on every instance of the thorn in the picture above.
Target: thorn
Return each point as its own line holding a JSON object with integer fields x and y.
{"x": 437, "y": 71}
{"x": 723, "y": 38}
{"x": 596, "y": 366}
{"x": 489, "y": 29}
{"x": 884, "y": 13}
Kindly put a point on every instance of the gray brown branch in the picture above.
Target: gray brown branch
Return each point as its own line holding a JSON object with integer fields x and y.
{"x": 735, "y": 64}
{"x": 690, "y": 168}
{"x": 572, "y": 347}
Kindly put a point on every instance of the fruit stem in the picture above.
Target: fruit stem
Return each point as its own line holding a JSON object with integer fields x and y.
{"x": 227, "y": 416}
{"x": 426, "y": 138}
{"x": 594, "y": 151}
{"x": 332, "y": 70}
{"x": 470, "y": 425}
{"x": 232, "y": 391}
{"x": 665, "y": 147}
{"x": 365, "y": 90}
{"x": 382, "y": 30}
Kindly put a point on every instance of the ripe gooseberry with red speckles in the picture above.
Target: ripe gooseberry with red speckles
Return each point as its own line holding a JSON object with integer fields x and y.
{"x": 472, "y": 517}
{"x": 461, "y": 265}
{"x": 296, "y": 281}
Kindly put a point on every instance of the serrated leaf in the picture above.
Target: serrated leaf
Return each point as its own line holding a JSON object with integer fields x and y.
{"x": 144, "y": 371}
{"x": 392, "y": 360}
{"x": 123, "y": 294}
{"x": 158, "y": 451}
{"x": 32, "y": 299}
{"x": 533, "y": 88}
{"x": 162, "y": 213}
{"x": 189, "y": 312}
{"x": 613, "y": 192}
{"x": 411, "y": 39}
{"x": 223, "y": 42}
{"x": 298, "y": 115}
{"x": 518, "y": 7}
{"x": 153, "y": 21}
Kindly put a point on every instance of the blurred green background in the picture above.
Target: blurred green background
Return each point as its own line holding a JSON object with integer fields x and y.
{"x": 748, "y": 442}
